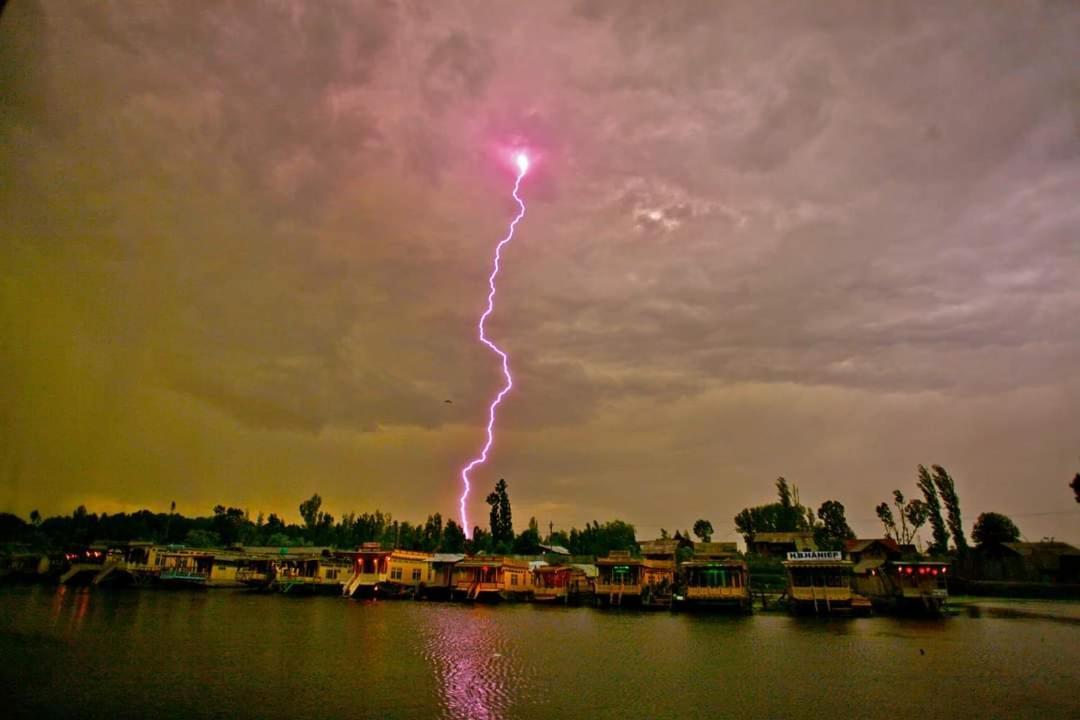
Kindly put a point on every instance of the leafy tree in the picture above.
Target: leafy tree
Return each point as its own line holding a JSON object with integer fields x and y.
{"x": 202, "y": 539}
{"x": 833, "y": 529}
{"x": 947, "y": 489}
{"x": 704, "y": 530}
{"x": 598, "y": 540}
{"x": 481, "y": 541}
{"x": 526, "y": 542}
{"x": 1075, "y": 485}
{"x": 915, "y": 512}
{"x": 309, "y": 510}
{"x": 502, "y": 526}
{"x": 785, "y": 515}
{"x": 940, "y": 544}
{"x": 35, "y": 518}
{"x": 912, "y": 514}
{"x": 884, "y": 514}
{"x": 453, "y": 538}
{"x": 994, "y": 529}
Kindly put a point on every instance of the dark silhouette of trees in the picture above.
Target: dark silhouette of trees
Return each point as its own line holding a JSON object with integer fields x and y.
{"x": 884, "y": 513}
{"x": 502, "y": 525}
{"x": 309, "y": 510}
{"x": 832, "y": 529}
{"x": 912, "y": 514}
{"x": 993, "y": 529}
{"x": 940, "y": 544}
{"x": 1075, "y": 485}
{"x": 785, "y": 515}
{"x": 453, "y": 538}
{"x": 526, "y": 543}
{"x": 947, "y": 489}
{"x": 704, "y": 530}
{"x": 599, "y": 540}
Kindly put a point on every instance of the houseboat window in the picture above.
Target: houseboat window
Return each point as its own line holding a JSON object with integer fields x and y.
{"x": 513, "y": 579}
{"x": 834, "y": 580}
{"x": 819, "y": 580}
{"x": 620, "y": 575}
{"x": 395, "y": 574}
{"x": 800, "y": 579}
{"x": 416, "y": 574}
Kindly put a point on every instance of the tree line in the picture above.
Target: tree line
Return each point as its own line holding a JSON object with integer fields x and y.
{"x": 232, "y": 526}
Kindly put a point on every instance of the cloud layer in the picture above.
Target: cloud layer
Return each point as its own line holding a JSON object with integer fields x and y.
{"x": 245, "y": 248}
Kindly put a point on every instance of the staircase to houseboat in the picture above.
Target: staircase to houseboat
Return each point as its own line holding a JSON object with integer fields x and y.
{"x": 351, "y": 586}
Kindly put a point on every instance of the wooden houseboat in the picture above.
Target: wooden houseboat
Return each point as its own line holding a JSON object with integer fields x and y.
{"x": 26, "y": 566}
{"x": 565, "y": 584}
{"x": 895, "y": 584}
{"x": 441, "y": 584}
{"x": 492, "y": 578}
{"x": 183, "y": 567}
{"x": 658, "y": 572}
{"x": 619, "y": 579}
{"x": 715, "y": 578}
{"x": 388, "y": 573}
{"x": 819, "y": 582}
{"x": 322, "y": 574}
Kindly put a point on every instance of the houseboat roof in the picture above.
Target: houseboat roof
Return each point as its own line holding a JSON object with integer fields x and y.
{"x": 663, "y": 546}
{"x": 626, "y": 559}
{"x": 818, "y": 563}
{"x": 488, "y": 561}
{"x": 783, "y": 537}
{"x": 859, "y": 545}
{"x": 447, "y": 557}
{"x": 715, "y": 549}
{"x": 713, "y": 562}
{"x": 554, "y": 549}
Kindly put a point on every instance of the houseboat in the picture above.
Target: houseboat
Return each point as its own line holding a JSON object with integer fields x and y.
{"x": 83, "y": 565}
{"x": 388, "y": 573}
{"x": 182, "y": 567}
{"x": 715, "y": 578}
{"x": 441, "y": 584}
{"x": 819, "y": 582}
{"x": 895, "y": 584}
{"x": 619, "y": 579}
{"x": 26, "y": 566}
{"x": 563, "y": 584}
{"x": 658, "y": 573}
{"x": 322, "y": 574}
{"x": 491, "y": 579}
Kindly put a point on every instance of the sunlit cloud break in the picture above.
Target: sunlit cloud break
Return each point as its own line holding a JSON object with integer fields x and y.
{"x": 522, "y": 162}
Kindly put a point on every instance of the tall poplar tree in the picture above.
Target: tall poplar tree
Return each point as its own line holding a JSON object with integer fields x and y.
{"x": 940, "y": 545}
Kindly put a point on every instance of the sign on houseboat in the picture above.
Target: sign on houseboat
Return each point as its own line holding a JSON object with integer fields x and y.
{"x": 815, "y": 555}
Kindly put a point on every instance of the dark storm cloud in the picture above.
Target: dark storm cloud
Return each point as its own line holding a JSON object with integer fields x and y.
{"x": 248, "y": 243}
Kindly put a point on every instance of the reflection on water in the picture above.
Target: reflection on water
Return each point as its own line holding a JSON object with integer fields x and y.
{"x": 80, "y": 652}
{"x": 466, "y": 658}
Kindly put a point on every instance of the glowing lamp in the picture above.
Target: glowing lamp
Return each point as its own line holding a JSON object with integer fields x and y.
{"x": 943, "y": 571}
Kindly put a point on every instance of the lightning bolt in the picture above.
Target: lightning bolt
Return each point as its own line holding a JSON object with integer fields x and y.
{"x": 523, "y": 167}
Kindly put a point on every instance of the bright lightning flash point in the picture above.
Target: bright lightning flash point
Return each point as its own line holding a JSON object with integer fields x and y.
{"x": 522, "y": 162}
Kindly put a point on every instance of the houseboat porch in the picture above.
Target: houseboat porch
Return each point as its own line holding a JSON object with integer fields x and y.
{"x": 714, "y": 584}
{"x": 819, "y": 582}
{"x": 619, "y": 579}
{"x": 491, "y": 579}
{"x": 388, "y": 573}
{"x": 311, "y": 575}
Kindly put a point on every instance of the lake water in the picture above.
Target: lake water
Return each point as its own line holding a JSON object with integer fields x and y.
{"x": 78, "y": 653}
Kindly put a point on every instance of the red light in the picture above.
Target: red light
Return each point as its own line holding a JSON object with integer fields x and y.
{"x": 934, "y": 571}
{"x": 942, "y": 571}
{"x": 922, "y": 571}
{"x": 907, "y": 570}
